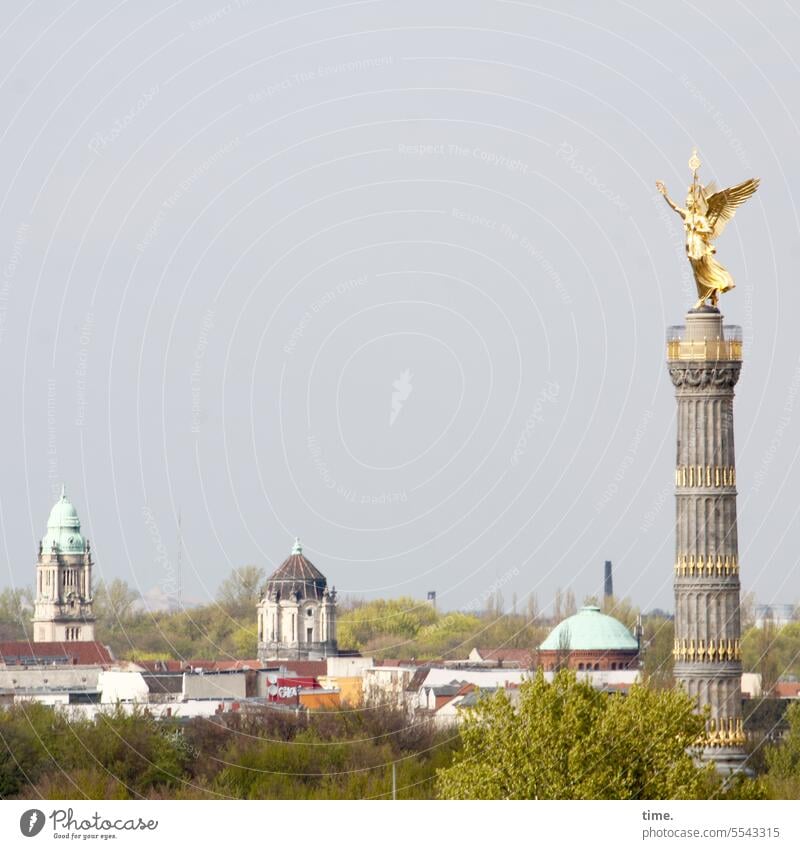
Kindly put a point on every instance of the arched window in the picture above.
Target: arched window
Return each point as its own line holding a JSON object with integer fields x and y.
{"x": 580, "y": 666}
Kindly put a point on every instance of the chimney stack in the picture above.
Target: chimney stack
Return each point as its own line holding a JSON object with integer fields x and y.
{"x": 608, "y": 590}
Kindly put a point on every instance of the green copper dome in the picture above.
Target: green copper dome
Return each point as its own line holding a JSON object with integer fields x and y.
{"x": 590, "y": 630}
{"x": 63, "y": 529}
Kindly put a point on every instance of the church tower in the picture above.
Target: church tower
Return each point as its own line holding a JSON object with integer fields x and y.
{"x": 63, "y": 607}
{"x": 297, "y": 613}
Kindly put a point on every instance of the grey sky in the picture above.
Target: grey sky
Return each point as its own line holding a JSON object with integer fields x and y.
{"x": 390, "y": 276}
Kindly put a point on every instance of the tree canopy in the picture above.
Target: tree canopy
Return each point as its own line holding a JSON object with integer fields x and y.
{"x": 566, "y": 740}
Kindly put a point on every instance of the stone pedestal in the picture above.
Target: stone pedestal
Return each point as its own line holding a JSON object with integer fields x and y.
{"x": 705, "y": 359}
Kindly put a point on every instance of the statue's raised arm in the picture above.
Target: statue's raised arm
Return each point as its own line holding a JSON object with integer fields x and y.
{"x": 704, "y": 218}
{"x": 663, "y": 189}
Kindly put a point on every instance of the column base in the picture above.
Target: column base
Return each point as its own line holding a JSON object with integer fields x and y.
{"x": 728, "y": 761}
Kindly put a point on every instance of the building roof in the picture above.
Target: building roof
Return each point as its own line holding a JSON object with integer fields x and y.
{"x": 24, "y": 653}
{"x": 472, "y": 697}
{"x": 296, "y": 578}
{"x": 522, "y": 658}
{"x": 207, "y": 665}
{"x": 63, "y": 529}
{"x": 163, "y": 682}
{"x": 787, "y": 690}
{"x": 309, "y": 668}
{"x": 590, "y": 630}
{"x": 418, "y": 678}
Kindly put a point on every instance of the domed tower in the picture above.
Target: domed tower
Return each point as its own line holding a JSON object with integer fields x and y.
{"x": 297, "y": 612}
{"x": 590, "y": 641}
{"x": 63, "y": 609}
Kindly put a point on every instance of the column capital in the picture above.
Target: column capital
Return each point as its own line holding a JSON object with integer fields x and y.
{"x": 698, "y": 376}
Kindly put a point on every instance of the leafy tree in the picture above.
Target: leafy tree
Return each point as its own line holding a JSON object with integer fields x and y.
{"x": 558, "y": 606}
{"x": 783, "y": 760}
{"x": 16, "y": 606}
{"x": 240, "y": 593}
{"x": 113, "y": 605}
{"x": 566, "y": 740}
{"x": 747, "y": 610}
{"x": 263, "y": 754}
{"x": 400, "y": 618}
{"x": 658, "y": 642}
{"x": 771, "y": 651}
{"x": 564, "y": 648}
{"x": 532, "y": 609}
{"x": 621, "y": 608}
{"x": 245, "y": 641}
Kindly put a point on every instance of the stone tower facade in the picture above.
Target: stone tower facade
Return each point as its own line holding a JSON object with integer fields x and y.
{"x": 704, "y": 359}
{"x": 63, "y": 608}
{"x": 297, "y": 613}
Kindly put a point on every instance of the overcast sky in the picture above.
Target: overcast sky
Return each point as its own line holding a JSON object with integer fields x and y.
{"x": 390, "y": 276}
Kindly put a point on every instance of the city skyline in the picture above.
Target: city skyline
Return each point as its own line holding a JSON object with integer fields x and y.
{"x": 401, "y": 293}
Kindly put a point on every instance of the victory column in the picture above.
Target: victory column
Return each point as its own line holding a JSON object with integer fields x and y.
{"x": 704, "y": 358}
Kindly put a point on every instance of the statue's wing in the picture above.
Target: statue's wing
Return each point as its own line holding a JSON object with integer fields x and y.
{"x": 723, "y": 204}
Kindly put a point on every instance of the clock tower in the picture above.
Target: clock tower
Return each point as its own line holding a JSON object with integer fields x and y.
{"x": 63, "y": 608}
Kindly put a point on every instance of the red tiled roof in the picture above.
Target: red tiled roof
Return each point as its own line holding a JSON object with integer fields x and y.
{"x": 787, "y": 689}
{"x": 521, "y": 656}
{"x": 18, "y": 652}
{"x": 304, "y": 668}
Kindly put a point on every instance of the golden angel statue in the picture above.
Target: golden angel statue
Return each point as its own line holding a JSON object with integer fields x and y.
{"x": 704, "y": 218}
